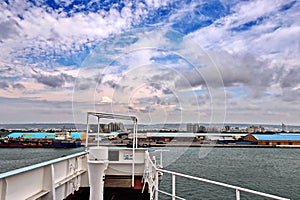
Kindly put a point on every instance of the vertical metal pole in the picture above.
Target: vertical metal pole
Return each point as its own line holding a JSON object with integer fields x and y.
{"x": 154, "y": 159}
{"x": 161, "y": 159}
{"x": 136, "y": 136}
{"x": 156, "y": 184}
{"x": 4, "y": 192}
{"x": 98, "y": 131}
{"x": 173, "y": 187}
{"x": 237, "y": 194}
{"x": 53, "y": 193}
{"x": 133, "y": 151}
{"x": 87, "y": 131}
{"x": 133, "y": 136}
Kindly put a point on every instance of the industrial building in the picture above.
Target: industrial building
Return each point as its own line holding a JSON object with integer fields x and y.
{"x": 274, "y": 139}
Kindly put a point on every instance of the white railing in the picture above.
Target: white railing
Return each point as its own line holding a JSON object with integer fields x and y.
{"x": 237, "y": 189}
{"x": 152, "y": 174}
{"x": 54, "y": 179}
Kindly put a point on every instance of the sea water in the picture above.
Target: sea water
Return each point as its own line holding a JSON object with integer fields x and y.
{"x": 271, "y": 170}
{"x": 15, "y": 158}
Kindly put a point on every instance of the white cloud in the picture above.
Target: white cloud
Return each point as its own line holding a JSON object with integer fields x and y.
{"x": 43, "y": 32}
{"x": 259, "y": 57}
{"x": 244, "y": 12}
{"x": 258, "y": 60}
{"x": 275, "y": 38}
{"x": 106, "y": 99}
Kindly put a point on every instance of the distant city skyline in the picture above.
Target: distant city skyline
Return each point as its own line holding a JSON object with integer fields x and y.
{"x": 163, "y": 61}
{"x": 152, "y": 126}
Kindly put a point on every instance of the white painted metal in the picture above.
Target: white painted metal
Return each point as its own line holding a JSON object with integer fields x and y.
{"x": 135, "y": 146}
{"x": 56, "y": 179}
{"x": 133, "y": 155}
{"x": 52, "y": 192}
{"x": 98, "y": 132}
{"x": 100, "y": 115}
{"x": 136, "y": 135}
{"x": 97, "y": 165}
{"x": 168, "y": 194}
{"x": 87, "y": 131}
{"x": 237, "y": 194}
{"x": 156, "y": 186}
{"x": 161, "y": 156}
{"x": 123, "y": 167}
{"x": 49, "y": 180}
{"x": 173, "y": 187}
{"x": 238, "y": 189}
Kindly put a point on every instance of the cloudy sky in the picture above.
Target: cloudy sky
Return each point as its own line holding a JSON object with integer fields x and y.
{"x": 232, "y": 61}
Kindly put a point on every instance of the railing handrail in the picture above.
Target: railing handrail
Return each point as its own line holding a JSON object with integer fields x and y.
{"x": 39, "y": 165}
{"x": 237, "y": 188}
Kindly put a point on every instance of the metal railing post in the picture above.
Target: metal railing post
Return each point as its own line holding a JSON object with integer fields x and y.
{"x": 237, "y": 194}
{"x": 156, "y": 184}
{"x": 133, "y": 149}
{"x": 173, "y": 187}
{"x": 98, "y": 132}
{"x": 136, "y": 136}
{"x": 87, "y": 131}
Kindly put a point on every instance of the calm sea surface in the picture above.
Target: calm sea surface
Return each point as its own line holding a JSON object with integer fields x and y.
{"x": 14, "y": 158}
{"x": 270, "y": 170}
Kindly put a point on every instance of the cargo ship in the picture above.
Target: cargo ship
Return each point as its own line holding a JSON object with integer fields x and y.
{"x": 38, "y": 144}
{"x": 40, "y": 140}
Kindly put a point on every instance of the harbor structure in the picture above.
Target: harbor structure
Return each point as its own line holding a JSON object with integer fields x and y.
{"x": 41, "y": 140}
{"x": 274, "y": 139}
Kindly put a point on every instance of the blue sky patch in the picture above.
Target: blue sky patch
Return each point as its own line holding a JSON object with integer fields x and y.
{"x": 248, "y": 25}
{"x": 287, "y": 6}
{"x": 213, "y": 9}
{"x": 238, "y": 92}
{"x": 169, "y": 58}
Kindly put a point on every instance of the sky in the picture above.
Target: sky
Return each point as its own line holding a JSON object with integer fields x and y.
{"x": 208, "y": 61}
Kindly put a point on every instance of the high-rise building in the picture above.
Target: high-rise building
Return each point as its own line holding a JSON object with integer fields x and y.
{"x": 115, "y": 126}
{"x": 227, "y": 128}
{"x": 283, "y": 127}
{"x": 190, "y": 127}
